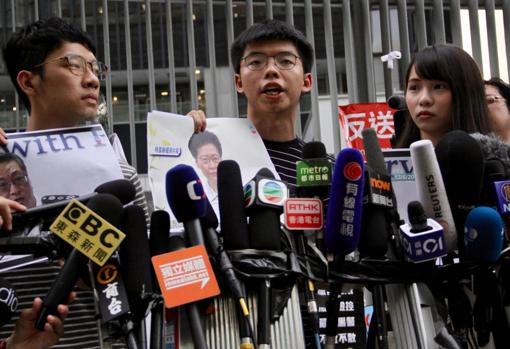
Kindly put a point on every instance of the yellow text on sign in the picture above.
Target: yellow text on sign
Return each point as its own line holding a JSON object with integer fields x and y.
{"x": 87, "y": 232}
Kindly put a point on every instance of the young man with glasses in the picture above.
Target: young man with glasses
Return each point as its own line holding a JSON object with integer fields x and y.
{"x": 57, "y": 76}
{"x": 273, "y": 63}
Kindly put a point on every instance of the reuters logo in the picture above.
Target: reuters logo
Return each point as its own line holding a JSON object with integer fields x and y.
{"x": 505, "y": 189}
{"x": 353, "y": 171}
{"x": 107, "y": 274}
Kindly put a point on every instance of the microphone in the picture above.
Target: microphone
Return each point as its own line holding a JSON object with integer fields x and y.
{"x": 399, "y": 116}
{"x": 461, "y": 162}
{"x": 135, "y": 267}
{"x": 120, "y": 188}
{"x": 397, "y": 102}
{"x": 423, "y": 238}
{"x": 158, "y": 244}
{"x": 215, "y": 246}
{"x": 234, "y": 227}
{"x": 313, "y": 173}
{"x": 188, "y": 202}
{"x": 343, "y": 222}
{"x": 379, "y": 223}
{"x": 431, "y": 190}
{"x": 110, "y": 209}
{"x": 483, "y": 235}
{"x": 8, "y": 301}
{"x": 265, "y": 196}
{"x": 343, "y": 218}
{"x": 313, "y": 179}
{"x": 378, "y": 199}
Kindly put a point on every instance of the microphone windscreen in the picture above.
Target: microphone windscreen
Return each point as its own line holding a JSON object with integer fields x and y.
{"x": 234, "y": 227}
{"x": 373, "y": 241}
{"x": 135, "y": 258}
{"x": 483, "y": 235}
{"x": 461, "y": 162}
{"x": 159, "y": 232}
{"x": 264, "y": 222}
{"x": 431, "y": 190}
{"x": 210, "y": 220}
{"x": 185, "y": 193}
{"x": 107, "y": 206}
{"x": 314, "y": 150}
{"x": 8, "y": 301}
{"x": 122, "y": 189}
{"x": 397, "y": 102}
{"x": 373, "y": 152}
{"x": 343, "y": 217}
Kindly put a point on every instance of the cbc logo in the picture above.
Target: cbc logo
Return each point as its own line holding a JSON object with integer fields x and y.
{"x": 91, "y": 225}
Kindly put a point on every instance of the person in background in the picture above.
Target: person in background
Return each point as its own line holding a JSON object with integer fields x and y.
{"x": 444, "y": 91}
{"x": 14, "y": 180}
{"x": 497, "y": 93}
{"x": 206, "y": 150}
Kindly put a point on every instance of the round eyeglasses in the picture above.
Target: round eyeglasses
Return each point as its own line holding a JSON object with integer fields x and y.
{"x": 493, "y": 98}
{"x": 78, "y": 65}
{"x": 283, "y": 60}
{"x": 18, "y": 180}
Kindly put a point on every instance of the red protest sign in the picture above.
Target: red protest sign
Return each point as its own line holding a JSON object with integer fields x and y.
{"x": 354, "y": 118}
{"x": 185, "y": 276}
{"x": 303, "y": 214}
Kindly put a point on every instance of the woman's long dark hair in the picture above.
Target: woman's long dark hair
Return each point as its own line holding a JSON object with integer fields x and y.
{"x": 454, "y": 66}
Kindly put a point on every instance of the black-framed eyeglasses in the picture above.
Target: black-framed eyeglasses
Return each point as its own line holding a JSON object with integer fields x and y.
{"x": 78, "y": 65}
{"x": 19, "y": 180}
{"x": 493, "y": 98}
{"x": 283, "y": 60}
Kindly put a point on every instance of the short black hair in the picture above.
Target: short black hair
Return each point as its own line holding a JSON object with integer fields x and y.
{"x": 272, "y": 29}
{"x": 8, "y": 157}
{"x": 32, "y": 44}
{"x": 503, "y": 88}
{"x": 202, "y": 138}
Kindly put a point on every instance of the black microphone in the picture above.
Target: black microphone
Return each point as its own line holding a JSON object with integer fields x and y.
{"x": 379, "y": 223}
{"x": 375, "y": 220}
{"x": 136, "y": 266}
{"x": 158, "y": 243}
{"x": 109, "y": 208}
{"x": 8, "y": 301}
{"x": 399, "y": 116}
{"x": 40, "y": 245}
{"x": 120, "y": 188}
{"x": 265, "y": 199}
{"x": 313, "y": 179}
{"x": 234, "y": 227}
{"x": 186, "y": 198}
{"x": 461, "y": 162}
{"x": 215, "y": 247}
